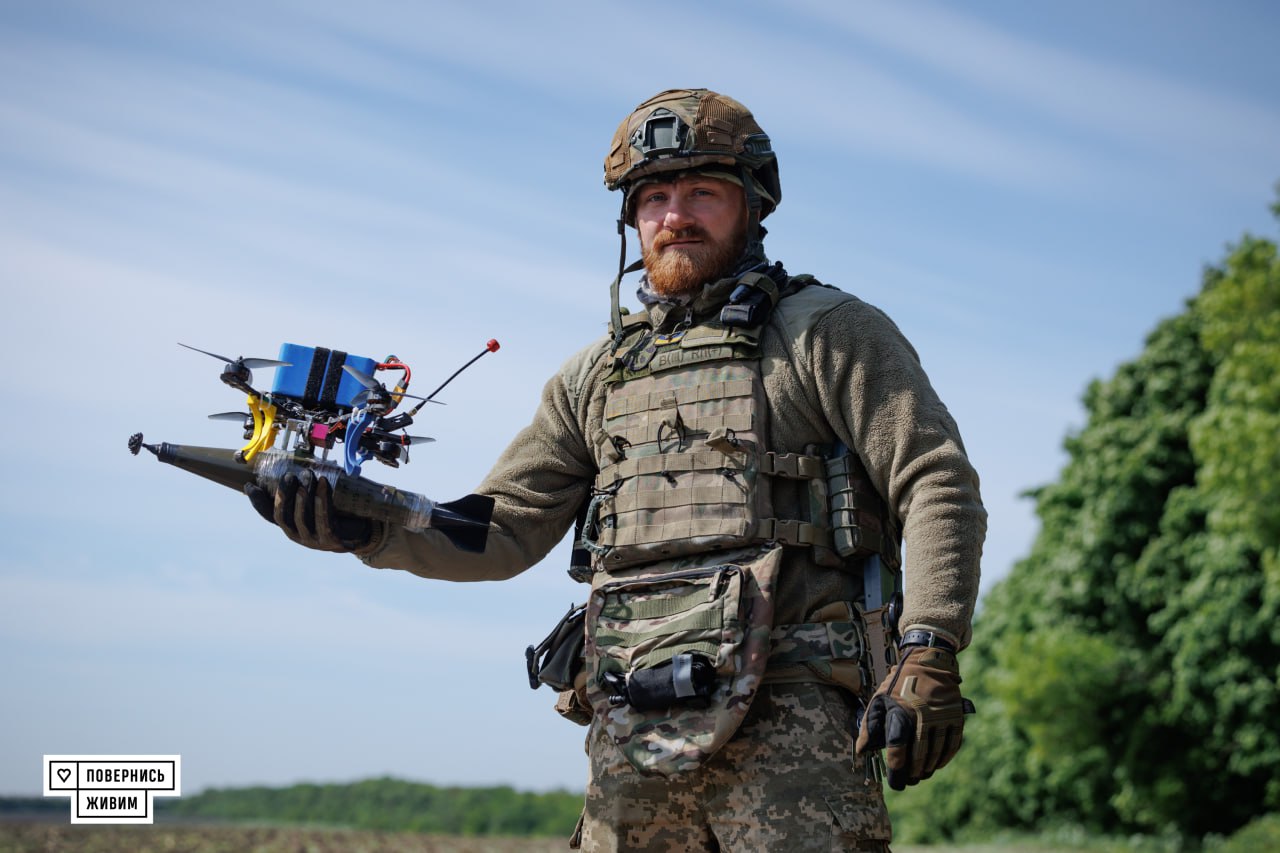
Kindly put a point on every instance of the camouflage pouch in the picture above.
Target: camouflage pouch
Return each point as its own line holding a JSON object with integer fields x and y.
{"x": 696, "y": 631}
{"x": 572, "y": 703}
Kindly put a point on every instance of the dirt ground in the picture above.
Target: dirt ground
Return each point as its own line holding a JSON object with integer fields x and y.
{"x": 45, "y": 836}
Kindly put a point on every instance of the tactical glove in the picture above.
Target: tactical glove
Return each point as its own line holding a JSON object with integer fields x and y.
{"x": 303, "y": 508}
{"x": 916, "y": 715}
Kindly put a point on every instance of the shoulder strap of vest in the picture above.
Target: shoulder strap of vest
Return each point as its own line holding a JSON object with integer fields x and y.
{"x": 617, "y": 321}
{"x": 630, "y": 327}
{"x": 630, "y": 321}
{"x": 798, "y": 282}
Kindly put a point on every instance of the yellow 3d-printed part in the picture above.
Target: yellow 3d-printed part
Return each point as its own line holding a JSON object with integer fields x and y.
{"x": 264, "y": 428}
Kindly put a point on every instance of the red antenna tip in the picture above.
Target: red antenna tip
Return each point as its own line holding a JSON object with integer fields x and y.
{"x": 492, "y": 345}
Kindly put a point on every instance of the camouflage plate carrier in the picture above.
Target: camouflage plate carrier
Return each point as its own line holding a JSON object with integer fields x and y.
{"x": 687, "y": 549}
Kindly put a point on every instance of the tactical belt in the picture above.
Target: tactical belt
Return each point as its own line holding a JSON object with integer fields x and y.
{"x": 814, "y": 642}
{"x": 834, "y": 653}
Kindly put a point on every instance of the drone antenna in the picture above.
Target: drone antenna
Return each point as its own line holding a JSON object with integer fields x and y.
{"x": 492, "y": 346}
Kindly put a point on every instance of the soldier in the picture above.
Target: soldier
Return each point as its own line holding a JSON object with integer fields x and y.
{"x": 740, "y": 458}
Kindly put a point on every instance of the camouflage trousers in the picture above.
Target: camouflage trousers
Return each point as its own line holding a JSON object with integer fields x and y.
{"x": 788, "y": 781}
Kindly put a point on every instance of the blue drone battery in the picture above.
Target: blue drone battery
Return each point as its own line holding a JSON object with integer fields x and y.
{"x": 316, "y": 379}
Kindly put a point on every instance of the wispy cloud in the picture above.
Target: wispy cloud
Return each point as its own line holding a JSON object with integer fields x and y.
{"x": 1133, "y": 108}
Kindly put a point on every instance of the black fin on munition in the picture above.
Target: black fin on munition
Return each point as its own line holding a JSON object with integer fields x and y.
{"x": 465, "y": 522}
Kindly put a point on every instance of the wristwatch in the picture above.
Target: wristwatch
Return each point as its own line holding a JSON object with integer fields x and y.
{"x": 920, "y": 637}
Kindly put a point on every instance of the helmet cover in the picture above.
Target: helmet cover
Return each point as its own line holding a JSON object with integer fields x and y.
{"x": 692, "y": 130}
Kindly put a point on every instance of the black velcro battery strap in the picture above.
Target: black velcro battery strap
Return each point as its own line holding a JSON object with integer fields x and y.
{"x": 333, "y": 376}
{"x": 319, "y": 360}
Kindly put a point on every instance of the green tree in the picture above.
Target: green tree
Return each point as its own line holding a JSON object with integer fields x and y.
{"x": 1126, "y": 671}
{"x": 1235, "y": 441}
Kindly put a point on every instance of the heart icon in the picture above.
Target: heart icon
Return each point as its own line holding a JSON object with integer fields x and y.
{"x": 64, "y": 773}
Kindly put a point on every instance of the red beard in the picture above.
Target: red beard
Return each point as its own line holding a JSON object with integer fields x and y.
{"x": 680, "y": 271}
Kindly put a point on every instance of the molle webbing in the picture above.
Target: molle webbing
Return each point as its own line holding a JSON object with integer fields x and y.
{"x": 727, "y": 493}
{"x": 679, "y": 424}
{"x": 623, "y": 402}
{"x": 685, "y": 468}
{"x": 668, "y": 536}
{"x": 673, "y": 463}
{"x": 791, "y": 466}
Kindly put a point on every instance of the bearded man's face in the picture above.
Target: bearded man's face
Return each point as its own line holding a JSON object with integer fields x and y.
{"x": 693, "y": 230}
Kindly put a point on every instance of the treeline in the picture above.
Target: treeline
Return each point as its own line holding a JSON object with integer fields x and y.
{"x": 392, "y": 805}
{"x": 1126, "y": 671}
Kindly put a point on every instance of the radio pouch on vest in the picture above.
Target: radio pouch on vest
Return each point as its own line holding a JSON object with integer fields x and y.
{"x": 695, "y": 631}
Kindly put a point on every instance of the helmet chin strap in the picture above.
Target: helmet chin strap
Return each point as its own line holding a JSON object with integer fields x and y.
{"x": 755, "y": 231}
{"x": 615, "y": 304}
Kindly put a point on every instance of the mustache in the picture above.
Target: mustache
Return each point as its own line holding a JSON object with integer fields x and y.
{"x": 693, "y": 232}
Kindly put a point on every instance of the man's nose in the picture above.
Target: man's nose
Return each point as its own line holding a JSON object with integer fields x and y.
{"x": 677, "y": 215}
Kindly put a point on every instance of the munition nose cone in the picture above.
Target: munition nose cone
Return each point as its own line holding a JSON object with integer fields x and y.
{"x": 135, "y": 444}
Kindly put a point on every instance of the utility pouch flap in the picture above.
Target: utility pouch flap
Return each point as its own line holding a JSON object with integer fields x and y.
{"x": 557, "y": 660}
{"x": 643, "y": 623}
{"x": 719, "y": 607}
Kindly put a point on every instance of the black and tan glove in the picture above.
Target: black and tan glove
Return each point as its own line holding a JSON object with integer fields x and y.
{"x": 302, "y": 506}
{"x": 916, "y": 715}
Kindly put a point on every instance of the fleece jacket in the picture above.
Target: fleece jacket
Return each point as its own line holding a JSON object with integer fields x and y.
{"x": 834, "y": 369}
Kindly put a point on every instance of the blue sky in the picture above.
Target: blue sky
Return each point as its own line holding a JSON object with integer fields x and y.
{"x": 1025, "y": 188}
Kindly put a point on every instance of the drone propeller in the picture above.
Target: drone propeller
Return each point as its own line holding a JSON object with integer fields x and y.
{"x": 372, "y": 387}
{"x": 364, "y": 379}
{"x": 364, "y": 396}
{"x": 416, "y": 439}
{"x": 230, "y": 416}
{"x": 251, "y": 363}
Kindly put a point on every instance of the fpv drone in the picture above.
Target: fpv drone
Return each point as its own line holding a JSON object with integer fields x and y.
{"x": 322, "y": 398}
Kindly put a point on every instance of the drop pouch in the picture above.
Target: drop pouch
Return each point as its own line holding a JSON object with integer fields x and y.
{"x": 703, "y": 621}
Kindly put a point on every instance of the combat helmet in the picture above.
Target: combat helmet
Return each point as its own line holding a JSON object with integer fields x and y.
{"x": 691, "y": 129}
{"x": 682, "y": 129}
